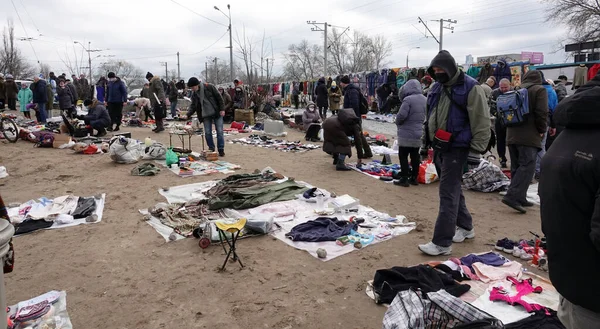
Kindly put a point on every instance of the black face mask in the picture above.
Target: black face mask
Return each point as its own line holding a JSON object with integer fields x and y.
{"x": 442, "y": 77}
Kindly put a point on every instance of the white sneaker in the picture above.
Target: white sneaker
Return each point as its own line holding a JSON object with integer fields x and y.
{"x": 462, "y": 234}
{"x": 433, "y": 249}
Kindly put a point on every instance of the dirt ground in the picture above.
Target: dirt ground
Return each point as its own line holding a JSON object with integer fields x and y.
{"x": 121, "y": 274}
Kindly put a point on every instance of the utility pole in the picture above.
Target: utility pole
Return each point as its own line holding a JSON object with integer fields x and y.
{"x": 267, "y": 69}
{"x": 230, "y": 42}
{"x": 442, "y": 27}
{"x": 216, "y": 70}
{"x": 317, "y": 28}
{"x": 206, "y": 70}
{"x": 166, "y": 65}
{"x": 178, "y": 71}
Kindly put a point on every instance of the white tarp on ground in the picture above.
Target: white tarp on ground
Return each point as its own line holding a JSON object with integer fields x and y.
{"x": 532, "y": 194}
{"x": 44, "y": 207}
{"x": 287, "y": 214}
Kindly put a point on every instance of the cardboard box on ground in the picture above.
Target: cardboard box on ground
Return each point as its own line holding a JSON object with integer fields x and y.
{"x": 60, "y": 139}
{"x": 244, "y": 115}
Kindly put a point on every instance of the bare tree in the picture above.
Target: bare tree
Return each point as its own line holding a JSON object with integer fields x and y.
{"x": 338, "y": 48}
{"x": 360, "y": 55}
{"x": 582, "y": 18}
{"x": 125, "y": 70}
{"x": 172, "y": 74}
{"x": 11, "y": 59}
{"x": 217, "y": 74}
{"x": 381, "y": 50}
{"x": 45, "y": 69}
{"x": 245, "y": 49}
{"x": 304, "y": 61}
{"x": 69, "y": 62}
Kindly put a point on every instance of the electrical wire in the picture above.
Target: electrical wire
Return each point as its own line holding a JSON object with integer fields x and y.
{"x": 210, "y": 19}
{"x": 214, "y": 43}
{"x": 24, "y": 29}
{"x": 32, "y": 21}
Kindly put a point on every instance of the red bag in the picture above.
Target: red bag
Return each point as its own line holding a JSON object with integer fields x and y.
{"x": 238, "y": 125}
{"x": 427, "y": 173}
{"x": 91, "y": 149}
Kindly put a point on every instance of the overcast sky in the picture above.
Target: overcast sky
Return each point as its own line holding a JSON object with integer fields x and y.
{"x": 147, "y": 32}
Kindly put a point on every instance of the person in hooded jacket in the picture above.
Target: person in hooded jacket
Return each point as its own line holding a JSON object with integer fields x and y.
{"x": 502, "y": 71}
{"x": 311, "y": 122}
{"x": 335, "y": 97}
{"x": 458, "y": 120}
{"x": 336, "y": 130}
{"x": 40, "y": 98}
{"x": 569, "y": 193}
{"x": 227, "y": 105}
{"x": 101, "y": 87}
{"x": 525, "y": 141}
{"x": 65, "y": 98}
{"x": 97, "y": 117}
{"x": 11, "y": 90}
{"x": 351, "y": 96}
{"x": 409, "y": 121}
{"x": 486, "y": 72}
{"x": 116, "y": 98}
{"x": 322, "y": 98}
{"x": 25, "y": 97}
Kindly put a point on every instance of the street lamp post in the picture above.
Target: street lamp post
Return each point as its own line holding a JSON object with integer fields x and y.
{"x": 230, "y": 41}
{"x": 409, "y": 53}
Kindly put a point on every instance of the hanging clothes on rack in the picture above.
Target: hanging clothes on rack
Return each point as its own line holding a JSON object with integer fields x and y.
{"x": 580, "y": 77}
{"x": 593, "y": 71}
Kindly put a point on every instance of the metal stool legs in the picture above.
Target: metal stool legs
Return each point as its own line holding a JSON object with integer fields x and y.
{"x": 231, "y": 252}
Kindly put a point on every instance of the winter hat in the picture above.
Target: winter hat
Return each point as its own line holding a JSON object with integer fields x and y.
{"x": 308, "y": 106}
{"x": 149, "y": 76}
{"x": 111, "y": 75}
{"x": 345, "y": 79}
{"x": 333, "y": 84}
{"x": 9, "y": 76}
{"x": 193, "y": 81}
{"x": 1, "y": 75}
{"x": 87, "y": 102}
{"x": 446, "y": 62}
{"x": 562, "y": 77}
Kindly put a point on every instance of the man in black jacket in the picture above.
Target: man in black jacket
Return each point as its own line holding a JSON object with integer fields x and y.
{"x": 208, "y": 104}
{"x": 570, "y": 207}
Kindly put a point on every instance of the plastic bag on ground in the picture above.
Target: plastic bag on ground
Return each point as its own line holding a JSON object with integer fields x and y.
{"x": 427, "y": 173}
{"x": 125, "y": 150}
{"x": 155, "y": 151}
{"x": 171, "y": 157}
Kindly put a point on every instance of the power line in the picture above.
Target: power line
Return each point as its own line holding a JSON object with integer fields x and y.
{"x": 214, "y": 43}
{"x": 210, "y": 19}
{"x": 24, "y": 29}
{"x": 32, "y": 20}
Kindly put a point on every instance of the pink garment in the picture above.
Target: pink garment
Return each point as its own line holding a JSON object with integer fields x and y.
{"x": 455, "y": 265}
{"x": 524, "y": 287}
{"x": 488, "y": 273}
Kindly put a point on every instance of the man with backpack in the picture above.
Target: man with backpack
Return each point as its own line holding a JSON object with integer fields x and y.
{"x": 457, "y": 121}
{"x": 353, "y": 98}
{"x": 525, "y": 129}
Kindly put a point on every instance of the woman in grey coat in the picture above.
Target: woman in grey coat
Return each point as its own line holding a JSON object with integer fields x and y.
{"x": 410, "y": 120}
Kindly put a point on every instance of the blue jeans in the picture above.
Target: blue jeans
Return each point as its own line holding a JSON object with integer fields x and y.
{"x": 540, "y": 154}
{"x": 41, "y": 114}
{"x": 208, "y": 123}
{"x": 174, "y": 108}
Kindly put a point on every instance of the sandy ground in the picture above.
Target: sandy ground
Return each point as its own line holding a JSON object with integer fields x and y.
{"x": 121, "y": 274}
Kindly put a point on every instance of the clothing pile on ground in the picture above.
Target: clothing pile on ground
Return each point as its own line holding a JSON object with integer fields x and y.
{"x": 475, "y": 291}
{"x": 46, "y": 311}
{"x": 388, "y": 118}
{"x": 63, "y": 211}
{"x": 296, "y": 213}
{"x": 487, "y": 177}
{"x": 277, "y": 144}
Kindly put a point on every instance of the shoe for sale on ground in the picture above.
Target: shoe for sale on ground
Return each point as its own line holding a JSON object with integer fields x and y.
{"x": 462, "y": 234}
{"x": 509, "y": 247}
{"x": 518, "y": 252}
{"x": 413, "y": 181}
{"x": 433, "y": 249}
{"x": 526, "y": 204}
{"x": 402, "y": 182}
{"x": 221, "y": 153}
{"x": 526, "y": 256}
{"x": 501, "y": 243}
{"x": 516, "y": 206}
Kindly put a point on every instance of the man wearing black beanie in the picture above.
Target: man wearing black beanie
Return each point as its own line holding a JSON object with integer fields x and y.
{"x": 158, "y": 100}
{"x": 457, "y": 122}
{"x": 208, "y": 104}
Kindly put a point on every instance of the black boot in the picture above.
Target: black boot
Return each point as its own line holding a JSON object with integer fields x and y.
{"x": 402, "y": 182}
{"x": 335, "y": 158}
{"x": 101, "y": 132}
{"x": 413, "y": 181}
{"x": 110, "y": 128}
{"x": 341, "y": 166}
{"x": 221, "y": 153}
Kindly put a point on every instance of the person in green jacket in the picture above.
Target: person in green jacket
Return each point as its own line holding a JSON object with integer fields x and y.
{"x": 25, "y": 97}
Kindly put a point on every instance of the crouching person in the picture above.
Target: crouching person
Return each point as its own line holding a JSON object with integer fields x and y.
{"x": 311, "y": 122}
{"x": 97, "y": 117}
{"x": 336, "y": 130}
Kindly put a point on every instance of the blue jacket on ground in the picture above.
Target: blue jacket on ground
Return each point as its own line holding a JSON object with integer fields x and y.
{"x": 117, "y": 93}
{"x": 352, "y": 99}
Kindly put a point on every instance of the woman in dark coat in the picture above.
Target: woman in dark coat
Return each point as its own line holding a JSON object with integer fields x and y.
{"x": 65, "y": 97}
{"x": 336, "y": 130}
{"x": 322, "y": 98}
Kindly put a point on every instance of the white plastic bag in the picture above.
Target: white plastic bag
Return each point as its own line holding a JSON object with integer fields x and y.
{"x": 321, "y": 135}
{"x": 427, "y": 173}
{"x": 125, "y": 150}
{"x": 156, "y": 151}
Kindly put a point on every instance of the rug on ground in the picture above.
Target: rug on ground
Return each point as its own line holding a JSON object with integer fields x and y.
{"x": 300, "y": 215}
{"x": 63, "y": 211}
